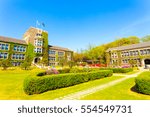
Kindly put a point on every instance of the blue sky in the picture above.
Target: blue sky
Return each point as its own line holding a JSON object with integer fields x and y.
{"x": 76, "y": 23}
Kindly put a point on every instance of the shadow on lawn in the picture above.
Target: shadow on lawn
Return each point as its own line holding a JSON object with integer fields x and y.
{"x": 134, "y": 89}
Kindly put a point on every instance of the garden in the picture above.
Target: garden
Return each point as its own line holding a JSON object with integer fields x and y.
{"x": 48, "y": 85}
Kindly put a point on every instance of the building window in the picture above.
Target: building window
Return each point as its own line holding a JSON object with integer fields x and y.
{"x": 3, "y": 55}
{"x": 38, "y": 42}
{"x": 148, "y": 51}
{"x": 51, "y": 64}
{"x": 19, "y": 48}
{"x": 18, "y": 56}
{"x": 38, "y": 50}
{"x": 60, "y": 58}
{"x": 38, "y": 34}
{"x": 51, "y": 58}
{"x": 16, "y": 63}
{"x": 4, "y": 46}
{"x": 52, "y": 52}
{"x": 60, "y": 53}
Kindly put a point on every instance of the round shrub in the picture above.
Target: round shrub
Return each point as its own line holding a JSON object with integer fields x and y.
{"x": 143, "y": 83}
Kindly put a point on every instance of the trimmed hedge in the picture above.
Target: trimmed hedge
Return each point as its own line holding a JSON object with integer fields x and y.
{"x": 80, "y": 70}
{"x": 35, "y": 84}
{"x": 118, "y": 70}
{"x": 143, "y": 83}
{"x": 64, "y": 70}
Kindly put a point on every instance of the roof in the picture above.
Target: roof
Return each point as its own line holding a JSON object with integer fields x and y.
{"x": 132, "y": 46}
{"x": 8, "y": 39}
{"x": 58, "y": 48}
{"x": 38, "y": 29}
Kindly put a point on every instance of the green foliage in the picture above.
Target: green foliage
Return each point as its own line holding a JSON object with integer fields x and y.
{"x": 71, "y": 64}
{"x": 146, "y": 38}
{"x": 132, "y": 62}
{"x": 143, "y": 83}
{"x": 35, "y": 85}
{"x": 45, "y": 48}
{"x": 25, "y": 65}
{"x": 76, "y": 70}
{"x": 30, "y": 53}
{"x": 29, "y": 57}
{"x": 98, "y": 52}
{"x": 62, "y": 62}
{"x": 5, "y": 63}
{"x": 64, "y": 70}
{"x": 118, "y": 70}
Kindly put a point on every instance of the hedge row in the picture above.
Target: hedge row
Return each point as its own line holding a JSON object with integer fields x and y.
{"x": 35, "y": 84}
{"x": 143, "y": 83}
{"x": 118, "y": 70}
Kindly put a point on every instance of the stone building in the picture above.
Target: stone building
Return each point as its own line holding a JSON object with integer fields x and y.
{"x": 130, "y": 55}
{"x": 15, "y": 50}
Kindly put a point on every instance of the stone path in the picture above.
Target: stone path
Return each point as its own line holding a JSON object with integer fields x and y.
{"x": 83, "y": 93}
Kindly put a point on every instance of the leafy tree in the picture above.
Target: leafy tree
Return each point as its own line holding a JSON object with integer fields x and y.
{"x": 132, "y": 62}
{"x": 5, "y": 64}
{"x": 71, "y": 63}
{"x": 25, "y": 65}
{"x": 78, "y": 57}
{"x": 146, "y": 38}
{"x": 98, "y": 52}
{"x": 62, "y": 62}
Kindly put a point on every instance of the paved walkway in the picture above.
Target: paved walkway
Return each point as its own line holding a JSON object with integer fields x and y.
{"x": 83, "y": 93}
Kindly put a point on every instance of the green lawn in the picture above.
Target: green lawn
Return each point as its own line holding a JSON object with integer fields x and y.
{"x": 11, "y": 83}
{"x": 121, "y": 91}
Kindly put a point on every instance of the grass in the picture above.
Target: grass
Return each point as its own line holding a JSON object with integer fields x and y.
{"x": 121, "y": 91}
{"x": 11, "y": 82}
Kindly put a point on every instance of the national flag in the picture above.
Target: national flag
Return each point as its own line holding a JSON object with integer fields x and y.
{"x": 43, "y": 24}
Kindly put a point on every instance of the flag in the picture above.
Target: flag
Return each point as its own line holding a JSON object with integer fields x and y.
{"x": 43, "y": 24}
{"x": 37, "y": 22}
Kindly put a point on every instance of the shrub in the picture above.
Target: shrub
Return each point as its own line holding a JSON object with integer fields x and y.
{"x": 41, "y": 74}
{"x": 118, "y": 70}
{"x": 143, "y": 83}
{"x": 64, "y": 70}
{"x": 51, "y": 71}
{"x": 76, "y": 70}
{"x": 35, "y": 84}
{"x": 5, "y": 64}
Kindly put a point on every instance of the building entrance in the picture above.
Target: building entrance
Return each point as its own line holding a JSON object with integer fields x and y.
{"x": 36, "y": 60}
{"x": 147, "y": 63}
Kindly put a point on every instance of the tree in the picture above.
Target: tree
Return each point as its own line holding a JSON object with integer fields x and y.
{"x": 62, "y": 62}
{"x": 5, "y": 64}
{"x": 132, "y": 62}
{"x": 78, "y": 57}
{"x": 146, "y": 38}
{"x": 71, "y": 64}
{"x": 25, "y": 65}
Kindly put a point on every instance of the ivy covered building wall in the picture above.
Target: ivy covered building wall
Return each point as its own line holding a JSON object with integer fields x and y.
{"x": 33, "y": 47}
{"x": 135, "y": 55}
